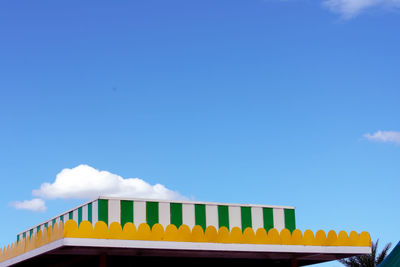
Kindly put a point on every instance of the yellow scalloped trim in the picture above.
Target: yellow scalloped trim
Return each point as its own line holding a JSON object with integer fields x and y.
{"x": 184, "y": 234}
{"x": 37, "y": 240}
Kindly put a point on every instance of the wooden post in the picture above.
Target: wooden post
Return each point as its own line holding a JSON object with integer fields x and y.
{"x": 103, "y": 260}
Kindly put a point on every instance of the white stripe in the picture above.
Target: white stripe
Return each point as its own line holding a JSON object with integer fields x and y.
{"x": 133, "y": 213}
{"x": 164, "y": 214}
{"x": 257, "y": 218}
{"x": 220, "y": 249}
{"x": 75, "y": 215}
{"x": 139, "y": 212}
{"x": 188, "y": 215}
{"x": 95, "y": 212}
{"x": 114, "y": 211}
{"x": 279, "y": 221}
{"x": 235, "y": 218}
{"x": 212, "y": 216}
{"x": 85, "y": 213}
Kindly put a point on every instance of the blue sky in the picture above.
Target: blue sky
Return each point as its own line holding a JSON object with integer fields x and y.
{"x": 264, "y": 102}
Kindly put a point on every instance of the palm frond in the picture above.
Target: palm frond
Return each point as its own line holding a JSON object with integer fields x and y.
{"x": 369, "y": 260}
{"x": 383, "y": 254}
{"x": 350, "y": 262}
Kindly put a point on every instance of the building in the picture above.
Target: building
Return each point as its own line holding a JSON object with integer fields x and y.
{"x": 393, "y": 259}
{"x": 125, "y": 232}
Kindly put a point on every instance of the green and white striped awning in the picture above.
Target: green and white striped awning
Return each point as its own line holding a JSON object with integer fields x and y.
{"x": 165, "y": 212}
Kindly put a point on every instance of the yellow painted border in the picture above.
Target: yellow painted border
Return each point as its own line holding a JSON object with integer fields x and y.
{"x": 184, "y": 234}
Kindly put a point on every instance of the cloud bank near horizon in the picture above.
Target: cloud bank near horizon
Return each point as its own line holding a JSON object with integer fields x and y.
{"x": 384, "y": 137}
{"x": 36, "y": 204}
{"x": 348, "y": 9}
{"x": 86, "y": 182}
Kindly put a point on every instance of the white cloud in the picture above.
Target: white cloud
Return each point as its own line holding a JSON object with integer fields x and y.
{"x": 86, "y": 182}
{"x": 384, "y": 136}
{"x": 35, "y": 204}
{"x": 351, "y": 8}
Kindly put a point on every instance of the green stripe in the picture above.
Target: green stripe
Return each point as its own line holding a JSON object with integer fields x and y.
{"x": 103, "y": 210}
{"x": 223, "y": 216}
{"x": 151, "y": 213}
{"x": 290, "y": 222}
{"x": 17, "y": 238}
{"x": 176, "y": 214}
{"x": 71, "y": 216}
{"x": 200, "y": 215}
{"x": 89, "y": 209}
{"x": 79, "y": 215}
{"x": 62, "y": 218}
{"x": 268, "y": 217}
{"x": 30, "y": 233}
{"x": 53, "y": 223}
{"x": 46, "y": 225}
{"x": 246, "y": 217}
{"x": 126, "y": 212}
{"x": 37, "y": 229}
{"x": 24, "y": 235}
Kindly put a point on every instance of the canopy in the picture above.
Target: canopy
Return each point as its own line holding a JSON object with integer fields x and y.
{"x": 393, "y": 259}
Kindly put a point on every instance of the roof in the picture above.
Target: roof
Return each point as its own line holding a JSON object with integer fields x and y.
{"x": 80, "y": 250}
{"x": 117, "y": 228}
{"x": 53, "y": 245}
{"x": 393, "y": 259}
